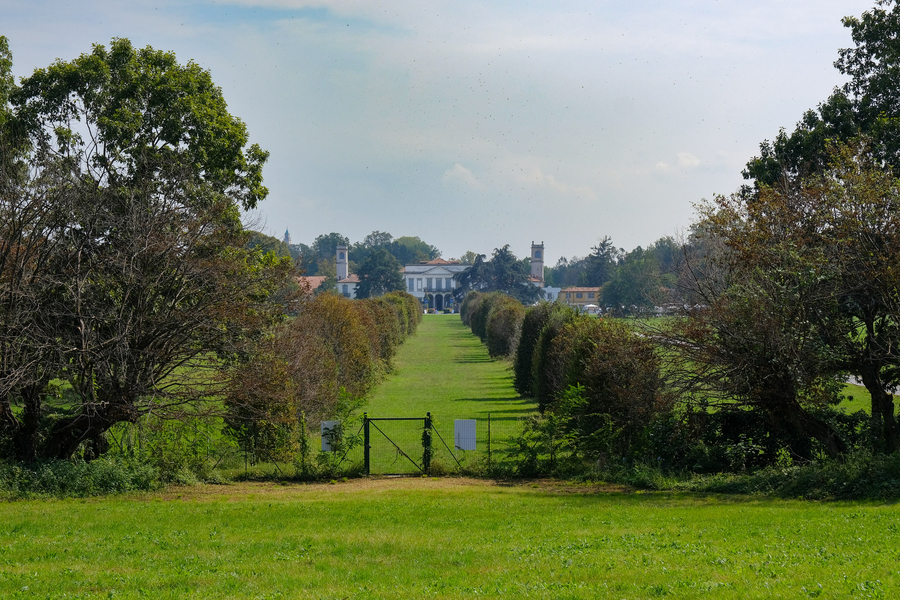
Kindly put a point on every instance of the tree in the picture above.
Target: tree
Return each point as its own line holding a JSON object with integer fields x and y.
{"x": 410, "y": 249}
{"x": 379, "y": 274}
{"x": 635, "y": 284}
{"x": 601, "y": 263}
{"x": 855, "y": 209}
{"x": 147, "y": 277}
{"x": 377, "y": 239}
{"x": 325, "y": 246}
{"x": 866, "y": 105}
{"x": 755, "y": 342}
{"x": 504, "y": 273}
{"x": 467, "y": 258}
{"x": 267, "y": 243}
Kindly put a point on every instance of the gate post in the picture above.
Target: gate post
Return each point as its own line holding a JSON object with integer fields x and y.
{"x": 366, "y": 463}
{"x": 426, "y": 444}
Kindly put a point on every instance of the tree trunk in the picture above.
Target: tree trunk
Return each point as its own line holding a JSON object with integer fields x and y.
{"x": 807, "y": 425}
{"x": 25, "y": 440}
{"x": 8, "y": 421}
{"x": 882, "y": 410}
{"x": 89, "y": 425}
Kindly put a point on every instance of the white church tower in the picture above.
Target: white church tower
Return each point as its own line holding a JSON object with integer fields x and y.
{"x": 537, "y": 262}
{"x": 343, "y": 263}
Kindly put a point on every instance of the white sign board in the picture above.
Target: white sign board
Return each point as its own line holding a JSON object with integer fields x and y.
{"x": 330, "y": 430}
{"x": 464, "y": 434}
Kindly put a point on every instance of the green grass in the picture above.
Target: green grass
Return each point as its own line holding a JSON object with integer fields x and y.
{"x": 446, "y": 370}
{"x": 857, "y": 398}
{"x": 417, "y": 538}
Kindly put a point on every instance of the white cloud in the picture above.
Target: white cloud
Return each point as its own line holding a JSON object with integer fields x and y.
{"x": 686, "y": 159}
{"x": 460, "y": 174}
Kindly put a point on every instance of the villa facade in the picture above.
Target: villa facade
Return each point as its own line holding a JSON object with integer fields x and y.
{"x": 432, "y": 282}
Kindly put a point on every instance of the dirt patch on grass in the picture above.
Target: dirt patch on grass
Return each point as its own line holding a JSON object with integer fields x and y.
{"x": 242, "y": 491}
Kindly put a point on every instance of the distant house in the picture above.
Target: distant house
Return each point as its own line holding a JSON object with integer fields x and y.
{"x": 580, "y": 296}
{"x": 432, "y": 282}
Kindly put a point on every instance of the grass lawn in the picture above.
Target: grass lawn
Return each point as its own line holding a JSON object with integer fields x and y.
{"x": 445, "y": 538}
{"x": 446, "y": 370}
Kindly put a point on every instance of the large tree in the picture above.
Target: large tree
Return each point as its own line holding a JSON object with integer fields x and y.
{"x": 754, "y": 342}
{"x": 146, "y": 276}
{"x": 378, "y": 274}
{"x": 868, "y": 104}
{"x": 503, "y": 273}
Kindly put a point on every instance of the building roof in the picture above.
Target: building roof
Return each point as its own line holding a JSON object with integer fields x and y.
{"x": 352, "y": 278}
{"x": 580, "y": 289}
{"x": 441, "y": 261}
{"x": 312, "y": 282}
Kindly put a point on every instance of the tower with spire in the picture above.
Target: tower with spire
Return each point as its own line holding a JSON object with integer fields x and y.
{"x": 287, "y": 237}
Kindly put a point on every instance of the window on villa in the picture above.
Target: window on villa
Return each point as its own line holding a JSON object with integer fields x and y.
{"x": 411, "y": 284}
{"x": 578, "y": 295}
{"x": 419, "y": 284}
{"x": 428, "y": 283}
{"x": 590, "y": 294}
{"x": 345, "y": 289}
{"x": 448, "y": 283}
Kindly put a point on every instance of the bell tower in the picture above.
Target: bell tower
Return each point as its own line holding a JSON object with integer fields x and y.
{"x": 537, "y": 261}
{"x": 342, "y": 261}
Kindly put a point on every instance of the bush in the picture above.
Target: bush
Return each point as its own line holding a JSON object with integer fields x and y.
{"x": 532, "y": 324}
{"x": 504, "y": 324}
{"x": 545, "y": 382}
{"x": 76, "y": 479}
{"x": 470, "y": 302}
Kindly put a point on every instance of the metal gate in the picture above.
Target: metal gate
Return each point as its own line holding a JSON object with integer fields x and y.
{"x": 397, "y": 446}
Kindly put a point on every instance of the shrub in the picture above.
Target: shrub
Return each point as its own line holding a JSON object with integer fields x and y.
{"x": 481, "y": 311}
{"x": 470, "y": 303}
{"x": 545, "y": 383}
{"x": 503, "y": 326}
{"x": 532, "y": 324}
{"x": 76, "y": 479}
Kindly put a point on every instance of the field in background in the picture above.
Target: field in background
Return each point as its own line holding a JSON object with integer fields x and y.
{"x": 447, "y": 538}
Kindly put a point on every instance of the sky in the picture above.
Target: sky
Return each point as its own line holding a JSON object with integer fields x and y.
{"x": 475, "y": 124}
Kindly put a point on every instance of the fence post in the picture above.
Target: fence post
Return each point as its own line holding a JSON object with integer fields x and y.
{"x": 489, "y": 442}
{"x": 426, "y": 444}
{"x": 366, "y": 463}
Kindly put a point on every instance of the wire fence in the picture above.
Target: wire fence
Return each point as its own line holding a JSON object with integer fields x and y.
{"x": 395, "y": 447}
{"x": 398, "y": 446}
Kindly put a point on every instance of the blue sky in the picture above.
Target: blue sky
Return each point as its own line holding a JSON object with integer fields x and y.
{"x": 479, "y": 124}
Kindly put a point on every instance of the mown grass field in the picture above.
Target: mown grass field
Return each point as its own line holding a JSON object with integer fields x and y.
{"x": 446, "y": 538}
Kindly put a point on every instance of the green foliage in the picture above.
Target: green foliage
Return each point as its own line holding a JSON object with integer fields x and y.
{"x": 866, "y": 105}
{"x": 266, "y": 243}
{"x": 546, "y": 379}
{"x": 533, "y": 322}
{"x": 151, "y": 118}
{"x": 76, "y": 479}
{"x": 378, "y": 274}
{"x": 469, "y": 304}
{"x": 503, "y": 326}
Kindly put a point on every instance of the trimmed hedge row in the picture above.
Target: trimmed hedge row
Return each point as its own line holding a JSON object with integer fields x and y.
{"x": 496, "y": 319}
{"x": 334, "y": 349}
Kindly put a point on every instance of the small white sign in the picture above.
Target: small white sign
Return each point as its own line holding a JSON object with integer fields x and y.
{"x": 330, "y": 430}
{"x": 464, "y": 434}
